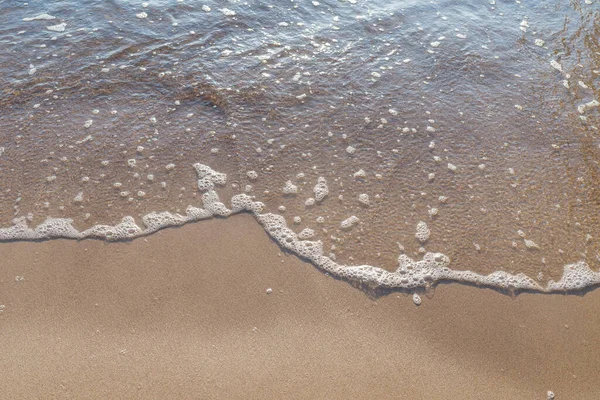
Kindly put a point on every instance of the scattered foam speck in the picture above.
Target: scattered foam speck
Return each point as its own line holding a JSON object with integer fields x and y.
{"x": 57, "y": 28}
{"x": 43, "y": 16}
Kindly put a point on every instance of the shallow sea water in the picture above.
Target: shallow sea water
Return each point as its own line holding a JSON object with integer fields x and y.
{"x": 478, "y": 118}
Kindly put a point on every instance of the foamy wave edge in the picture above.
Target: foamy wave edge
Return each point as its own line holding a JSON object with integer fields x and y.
{"x": 410, "y": 275}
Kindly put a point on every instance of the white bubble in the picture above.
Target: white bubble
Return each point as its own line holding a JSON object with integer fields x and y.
{"x": 251, "y": 175}
{"x": 422, "y": 232}
{"x": 227, "y": 12}
{"x": 530, "y": 244}
{"x": 57, "y": 28}
{"x": 360, "y": 174}
{"x": 39, "y": 17}
{"x": 363, "y": 198}
{"x": 321, "y": 189}
{"x": 556, "y": 65}
{"x": 306, "y": 233}
{"x": 78, "y": 198}
{"x": 416, "y": 299}
{"x": 290, "y": 188}
{"x": 349, "y": 222}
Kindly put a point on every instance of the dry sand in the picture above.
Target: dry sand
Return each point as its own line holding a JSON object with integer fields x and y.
{"x": 185, "y": 314}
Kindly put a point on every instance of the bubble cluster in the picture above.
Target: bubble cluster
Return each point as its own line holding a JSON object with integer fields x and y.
{"x": 349, "y": 222}
{"x": 364, "y": 199}
{"x": 321, "y": 189}
{"x": 290, "y": 188}
{"x": 208, "y": 178}
{"x": 423, "y": 232}
{"x": 252, "y": 175}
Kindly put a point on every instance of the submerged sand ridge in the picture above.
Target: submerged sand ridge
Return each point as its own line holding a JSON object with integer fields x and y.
{"x": 411, "y": 274}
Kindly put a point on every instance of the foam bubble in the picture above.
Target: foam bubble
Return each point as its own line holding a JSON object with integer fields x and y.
{"x": 582, "y": 108}
{"x": 349, "y": 222}
{"x": 306, "y": 233}
{"x": 416, "y": 299}
{"x": 364, "y": 199}
{"x": 556, "y": 65}
{"x": 227, "y": 12}
{"x": 423, "y": 232}
{"x": 126, "y": 229}
{"x": 212, "y": 203}
{"x": 360, "y": 174}
{"x": 290, "y": 188}
{"x": 252, "y": 175}
{"x": 43, "y": 16}
{"x": 321, "y": 189}
{"x": 243, "y": 202}
{"x": 158, "y": 220}
{"x": 57, "y": 28}
{"x": 207, "y": 177}
{"x": 78, "y": 198}
{"x": 530, "y": 244}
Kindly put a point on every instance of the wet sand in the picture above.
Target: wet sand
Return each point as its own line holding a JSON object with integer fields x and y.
{"x": 184, "y": 313}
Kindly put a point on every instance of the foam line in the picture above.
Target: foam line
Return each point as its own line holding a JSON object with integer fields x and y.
{"x": 411, "y": 274}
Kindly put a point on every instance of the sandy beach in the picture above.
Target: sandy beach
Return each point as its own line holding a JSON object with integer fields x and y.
{"x": 185, "y": 313}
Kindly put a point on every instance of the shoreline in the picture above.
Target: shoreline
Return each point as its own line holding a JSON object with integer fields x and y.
{"x": 185, "y": 313}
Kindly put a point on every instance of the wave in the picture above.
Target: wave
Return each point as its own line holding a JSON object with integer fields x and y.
{"x": 411, "y": 275}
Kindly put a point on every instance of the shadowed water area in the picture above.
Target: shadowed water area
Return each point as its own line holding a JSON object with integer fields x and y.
{"x": 477, "y": 118}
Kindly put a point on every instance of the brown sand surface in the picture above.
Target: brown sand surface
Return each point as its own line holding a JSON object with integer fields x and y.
{"x": 184, "y": 314}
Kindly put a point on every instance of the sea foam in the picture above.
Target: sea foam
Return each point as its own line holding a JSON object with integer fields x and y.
{"x": 411, "y": 274}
